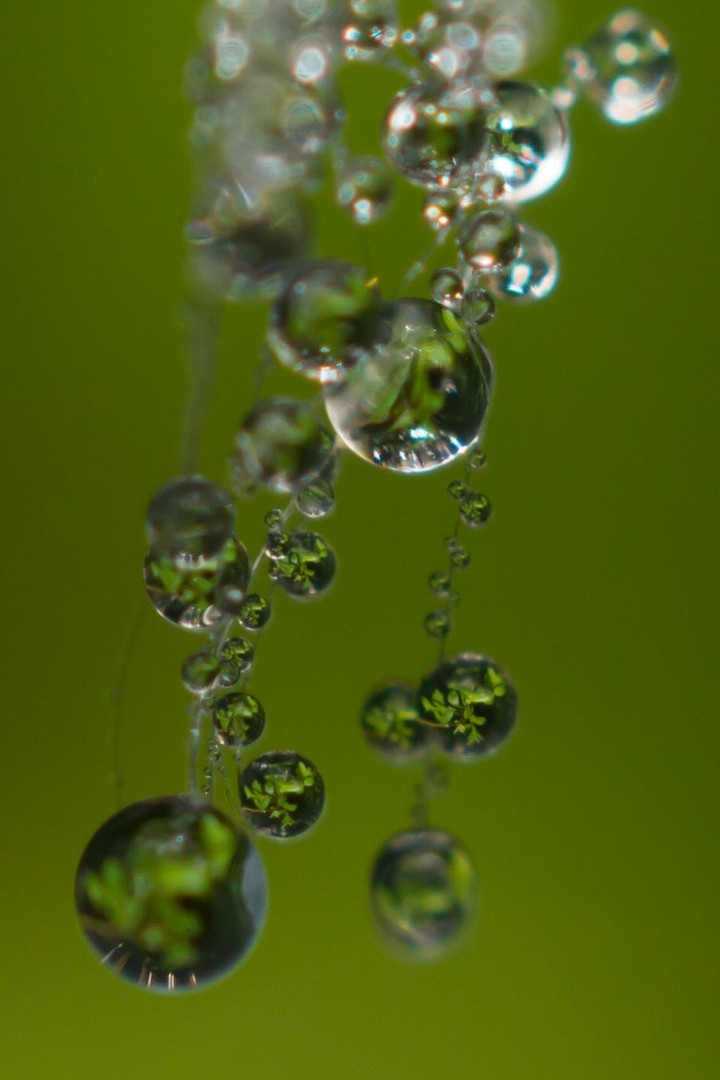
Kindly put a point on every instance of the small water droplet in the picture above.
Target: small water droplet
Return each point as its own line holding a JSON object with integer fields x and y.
{"x": 437, "y": 624}
{"x": 475, "y": 509}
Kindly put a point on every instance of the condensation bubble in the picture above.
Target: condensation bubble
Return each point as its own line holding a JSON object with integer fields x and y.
{"x": 280, "y": 445}
{"x": 433, "y": 134}
{"x": 528, "y": 142}
{"x": 303, "y": 564}
{"x": 470, "y": 704}
{"x": 191, "y": 596}
{"x": 627, "y": 68}
{"x": 365, "y": 187}
{"x": 490, "y": 240}
{"x": 423, "y": 890}
{"x": 170, "y": 895}
{"x": 389, "y": 721}
{"x": 421, "y": 398}
{"x": 238, "y": 719}
{"x": 325, "y": 320}
{"x": 532, "y": 275}
{"x": 189, "y": 517}
{"x": 282, "y": 794}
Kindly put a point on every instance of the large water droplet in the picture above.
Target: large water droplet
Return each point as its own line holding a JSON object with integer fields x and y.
{"x": 282, "y": 794}
{"x": 420, "y": 399}
{"x": 189, "y": 517}
{"x": 389, "y": 719}
{"x": 302, "y": 564}
{"x": 170, "y": 895}
{"x": 470, "y": 704}
{"x": 195, "y": 597}
{"x": 280, "y": 445}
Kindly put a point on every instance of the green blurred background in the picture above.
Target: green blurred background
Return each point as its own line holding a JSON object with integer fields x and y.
{"x": 595, "y": 584}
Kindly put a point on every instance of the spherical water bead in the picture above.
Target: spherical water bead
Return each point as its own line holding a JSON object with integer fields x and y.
{"x": 282, "y": 794}
{"x": 423, "y": 890}
{"x": 304, "y": 566}
{"x": 325, "y": 320}
{"x": 488, "y": 188}
{"x": 533, "y": 273}
{"x": 316, "y": 499}
{"x": 449, "y": 45}
{"x": 439, "y": 584}
{"x": 433, "y": 134}
{"x": 390, "y": 723}
{"x": 627, "y": 68}
{"x": 200, "y": 672}
{"x": 458, "y": 554}
{"x": 476, "y": 459}
{"x": 438, "y": 624}
{"x": 447, "y": 289}
{"x": 280, "y": 445}
{"x": 490, "y": 240}
{"x": 196, "y": 597}
{"x": 421, "y": 398}
{"x": 189, "y": 517}
{"x": 365, "y": 187}
{"x": 236, "y": 659}
{"x": 478, "y": 307}
{"x": 528, "y": 143}
{"x": 311, "y": 60}
{"x": 471, "y": 705}
{"x": 475, "y": 509}
{"x": 457, "y": 489}
{"x": 170, "y": 895}
{"x": 371, "y": 28}
{"x": 238, "y": 719}
{"x": 441, "y": 210}
{"x": 255, "y": 612}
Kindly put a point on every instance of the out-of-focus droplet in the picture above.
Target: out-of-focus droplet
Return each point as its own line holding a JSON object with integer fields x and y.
{"x": 280, "y": 445}
{"x": 389, "y": 720}
{"x": 365, "y": 187}
{"x": 533, "y": 273}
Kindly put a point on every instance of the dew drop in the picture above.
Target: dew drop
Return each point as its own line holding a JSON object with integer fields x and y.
{"x": 282, "y": 794}
{"x": 475, "y": 509}
{"x": 389, "y": 719}
{"x": 365, "y": 187}
{"x": 280, "y": 445}
{"x": 188, "y": 518}
{"x": 470, "y": 704}
{"x": 303, "y": 566}
{"x": 238, "y": 719}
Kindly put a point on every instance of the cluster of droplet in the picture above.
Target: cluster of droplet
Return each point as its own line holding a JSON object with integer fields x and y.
{"x": 170, "y": 892}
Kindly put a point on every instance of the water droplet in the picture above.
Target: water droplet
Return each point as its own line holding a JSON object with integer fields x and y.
{"x": 238, "y": 719}
{"x": 372, "y": 27}
{"x": 282, "y": 794}
{"x": 316, "y": 499}
{"x": 389, "y": 720}
{"x": 471, "y": 705}
{"x": 459, "y": 555}
{"x": 533, "y": 273}
{"x": 280, "y": 445}
{"x": 528, "y": 141}
{"x": 255, "y": 612}
{"x": 200, "y": 672}
{"x": 489, "y": 188}
{"x": 188, "y": 518}
{"x": 451, "y": 47}
{"x": 478, "y": 307}
{"x": 273, "y": 518}
{"x": 447, "y": 288}
{"x": 627, "y": 68}
{"x": 170, "y": 895}
{"x": 421, "y": 397}
{"x": 439, "y": 584}
{"x": 433, "y": 133}
{"x": 457, "y": 489}
{"x": 365, "y": 187}
{"x": 188, "y": 596}
{"x": 441, "y": 209}
{"x": 304, "y": 566}
{"x": 310, "y": 60}
{"x": 236, "y": 656}
{"x": 437, "y": 624}
{"x": 490, "y": 240}
{"x": 423, "y": 890}
{"x": 475, "y": 509}
{"x": 325, "y": 320}
{"x": 476, "y": 459}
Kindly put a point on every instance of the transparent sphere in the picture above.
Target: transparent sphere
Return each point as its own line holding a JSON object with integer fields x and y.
{"x": 316, "y": 499}
{"x": 255, "y": 612}
{"x": 474, "y": 509}
{"x": 301, "y": 563}
{"x": 365, "y": 187}
{"x": 282, "y": 794}
{"x": 490, "y": 240}
{"x": 325, "y": 319}
{"x": 238, "y": 719}
{"x": 421, "y": 398}
{"x": 433, "y": 133}
{"x": 196, "y": 597}
{"x": 170, "y": 895}
{"x": 627, "y": 68}
{"x": 528, "y": 143}
{"x": 423, "y": 891}
{"x": 200, "y": 672}
{"x": 470, "y": 704}
{"x": 280, "y": 445}
{"x": 441, "y": 210}
{"x": 189, "y": 517}
{"x": 371, "y": 27}
{"x": 533, "y": 273}
{"x": 391, "y": 724}
{"x": 447, "y": 288}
